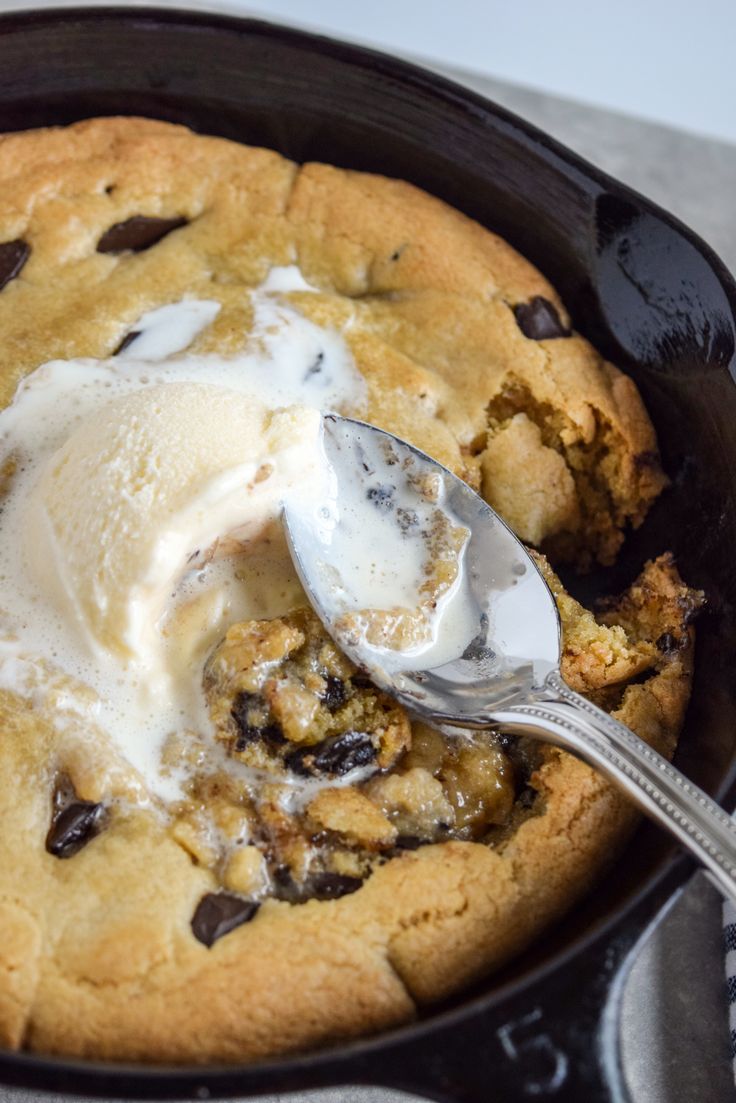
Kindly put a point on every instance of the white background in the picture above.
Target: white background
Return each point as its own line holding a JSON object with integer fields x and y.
{"x": 668, "y": 60}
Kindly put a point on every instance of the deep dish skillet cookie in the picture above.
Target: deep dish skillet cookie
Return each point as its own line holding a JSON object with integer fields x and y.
{"x": 234, "y": 924}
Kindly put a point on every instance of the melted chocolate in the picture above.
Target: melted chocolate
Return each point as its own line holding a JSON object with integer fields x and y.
{"x": 336, "y": 755}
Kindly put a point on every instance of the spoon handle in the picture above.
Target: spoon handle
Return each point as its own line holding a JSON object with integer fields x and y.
{"x": 570, "y": 721}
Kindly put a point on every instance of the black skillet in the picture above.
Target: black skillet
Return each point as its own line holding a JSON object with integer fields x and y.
{"x": 642, "y": 287}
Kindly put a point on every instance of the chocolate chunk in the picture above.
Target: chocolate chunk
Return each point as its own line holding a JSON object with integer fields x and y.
{"x": 336, "y": 755}
{"x": 128, "y": 339}
{"x": 342, "y": 753}
{"x": 317, "y": 886}
{"x": 408, "y": 842}
{"x": 13, "y": 256}
{"x": 668, "y": 644}
{"x": 538, "y": 319}
{"x": 72, "y": 826}
{"x": 248, "y": 732}
{"x": 382, "y": 497}
{"x": 273, "y": 736}
{"x": 137, "y": 233}
{"x": 402, "y": 843}
{"x": 335, "y": 693}
{"x": 218, "y": 913}
{"x": 330, "y": 886}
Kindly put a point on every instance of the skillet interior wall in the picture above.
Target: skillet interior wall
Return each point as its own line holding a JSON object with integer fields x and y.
{"x": 634, "y": 285}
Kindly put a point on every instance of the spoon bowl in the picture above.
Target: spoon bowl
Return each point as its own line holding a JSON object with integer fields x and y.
{"x": 497, "y": 633}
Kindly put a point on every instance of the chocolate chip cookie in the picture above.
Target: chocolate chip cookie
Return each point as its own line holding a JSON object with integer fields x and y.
{"x": 330, "y": 865}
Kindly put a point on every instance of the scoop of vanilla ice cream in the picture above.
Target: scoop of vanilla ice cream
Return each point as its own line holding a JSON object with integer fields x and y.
{"x": 146, "y": 484}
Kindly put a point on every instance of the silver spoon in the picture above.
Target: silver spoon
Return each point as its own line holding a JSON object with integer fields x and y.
{"x": 497, "y": 656}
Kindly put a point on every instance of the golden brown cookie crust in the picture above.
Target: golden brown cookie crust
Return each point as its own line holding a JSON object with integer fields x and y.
{"x": 98, "y": 957}
{"x": 430, "y": 296}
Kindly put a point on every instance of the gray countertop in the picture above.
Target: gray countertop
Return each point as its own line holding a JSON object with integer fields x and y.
{"x": 674, "y": 1022}
{"x": 692, "y": 177}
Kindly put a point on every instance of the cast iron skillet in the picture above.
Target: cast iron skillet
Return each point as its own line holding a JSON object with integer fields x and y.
{"x": 643, "y": 288}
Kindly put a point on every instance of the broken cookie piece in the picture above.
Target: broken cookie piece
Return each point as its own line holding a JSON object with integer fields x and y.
{"x": 528, "y": 482}
{"x": 637, "y": 643}
{"x": 563, "y": 474}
